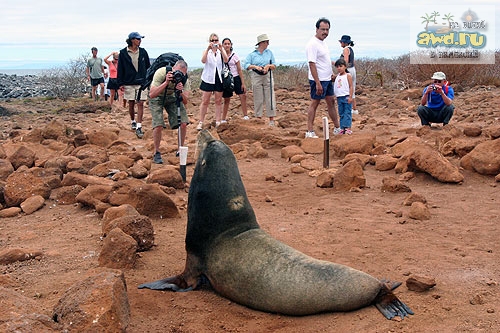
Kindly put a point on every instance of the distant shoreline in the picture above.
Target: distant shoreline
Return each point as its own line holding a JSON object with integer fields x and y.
{"x": 22, "y": 71}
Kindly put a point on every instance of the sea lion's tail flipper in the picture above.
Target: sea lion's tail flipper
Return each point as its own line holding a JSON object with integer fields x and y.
{"x": 388, "y": 304}
{"x": 174, "y": 283}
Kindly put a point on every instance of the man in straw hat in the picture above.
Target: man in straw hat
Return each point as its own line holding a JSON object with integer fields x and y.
{"x": 261, "y": 63}
{"x": 436, "y": 104}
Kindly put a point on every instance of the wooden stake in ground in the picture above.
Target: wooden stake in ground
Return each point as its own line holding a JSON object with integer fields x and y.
{"x": 326, "y": 143}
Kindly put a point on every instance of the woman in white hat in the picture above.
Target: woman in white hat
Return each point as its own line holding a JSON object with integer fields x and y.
{"x": 261, "y": 62}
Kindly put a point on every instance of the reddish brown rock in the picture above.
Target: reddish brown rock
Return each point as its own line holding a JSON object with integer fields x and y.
{"x": 148, "y": 199}
{"x": 472, "y": 130}
{"x": 10, "y": 256}
{"x": 22, "y": 185}
{"x": 54, "y": 130}
{"x": 10, "y": 212}
{"x": 385, "y": 162}
{"x": 118, "y": 250}
{"x": 348, "y": 144}
{"x": 22, "y": 156}
{"x": 6, "y": 169}
{"x": 116, "y": 212}
{"x": 139, "y": 227}
{"x": 391, "y": 184}
{"x": 168, "y": 175}
{"x": 290, "y": 151}
{"x": 414, "y": 197}
{"x": 312, "y": 146}
{"x": 484, "y": 158}
{"x": 32, "y": 204}
{"x": 98, "y": 303}
{"x": 349, "y": 176}
{"x": 420, "y": 283}
{"x": 94, "y": 194}
{"x": 419, "y": 211}
{"x": 424, "y": 157}
{"x": 66, "y": 195}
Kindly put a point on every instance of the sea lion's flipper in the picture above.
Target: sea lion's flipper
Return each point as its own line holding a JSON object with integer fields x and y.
{"x": 388, "y": 304}
{"x": 174, "y": 283}
{"x": 393, "y": 309}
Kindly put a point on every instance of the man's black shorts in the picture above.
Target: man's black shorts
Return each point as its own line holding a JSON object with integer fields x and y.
{"x": 96, "y": 82}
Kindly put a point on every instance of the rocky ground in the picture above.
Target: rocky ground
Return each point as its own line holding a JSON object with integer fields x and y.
{"x": 420, "y": 206}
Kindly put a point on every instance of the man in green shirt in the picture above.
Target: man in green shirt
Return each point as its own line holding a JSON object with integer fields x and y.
{"x": 95, "y": 73}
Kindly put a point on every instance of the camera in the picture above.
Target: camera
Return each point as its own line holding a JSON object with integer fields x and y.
{"x": 216, "y": 45}
{"x": 434, "y": 87}
{"x": 178, "y": 76}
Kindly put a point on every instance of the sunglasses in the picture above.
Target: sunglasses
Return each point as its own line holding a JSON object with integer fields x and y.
{"x": 437, "y": 81}
{"x": 214, "y": 40}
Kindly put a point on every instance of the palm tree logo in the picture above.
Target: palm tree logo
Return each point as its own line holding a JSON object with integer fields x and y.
{"x": 427, "y": 19}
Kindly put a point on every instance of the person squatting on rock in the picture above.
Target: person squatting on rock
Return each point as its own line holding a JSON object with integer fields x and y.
{"x": 213, "y": 58}
{"x": 436, "y": 104}
{"x": 234, "y": 64}
{"x": 95, "y": 73}
{"x": 344, "y": 90}
{"x": 261, "y": 62}
{"x": 163, "y": 93}
{"x": 133, "y": 62}
{"x": 320, "y": 77}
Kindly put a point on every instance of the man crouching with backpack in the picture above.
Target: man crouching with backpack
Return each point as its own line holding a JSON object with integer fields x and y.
{"x": 167, "y": 91}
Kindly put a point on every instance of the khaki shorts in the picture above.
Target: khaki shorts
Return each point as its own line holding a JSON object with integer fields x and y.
{"x": 130, "y": 93}
{"x": 156, "y": 107}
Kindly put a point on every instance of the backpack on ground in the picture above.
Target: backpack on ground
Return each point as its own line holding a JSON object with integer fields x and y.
{"x": 163, "y": 60}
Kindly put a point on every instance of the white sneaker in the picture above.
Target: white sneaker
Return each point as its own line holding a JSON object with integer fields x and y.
{"x": 271, "y": 123}
{"x": 246, "y": 118}
{"x": 223, "y": 121}
{"x": 354, "y": 111}
{"x": 200, "y": 126}
{"x": 337, "y": 131}
{"x": 311, "y": 134}
{"x": 217, "y": 123}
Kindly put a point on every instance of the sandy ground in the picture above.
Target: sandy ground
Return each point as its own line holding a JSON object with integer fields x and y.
{"x": 368, "y": 230}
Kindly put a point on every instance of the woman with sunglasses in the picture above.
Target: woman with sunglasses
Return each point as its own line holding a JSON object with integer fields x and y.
{"x": 436, "y": 104}
{"x": 213, "y": 58}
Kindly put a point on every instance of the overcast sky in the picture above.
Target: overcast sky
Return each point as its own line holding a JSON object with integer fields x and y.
{"x": 52, "y": 32}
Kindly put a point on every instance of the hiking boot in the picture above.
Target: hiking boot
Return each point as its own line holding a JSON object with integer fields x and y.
{"x": 134, "y": 125}
{"x": 157, "y": 158}
{"x": 311, "y": 134}
{"x": 200, "y": 126}
{"x": 337, "y": 131}
{"x": 139, "y": 132}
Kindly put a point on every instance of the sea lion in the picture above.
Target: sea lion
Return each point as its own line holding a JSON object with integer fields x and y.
{"x": 243, "y": 263}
